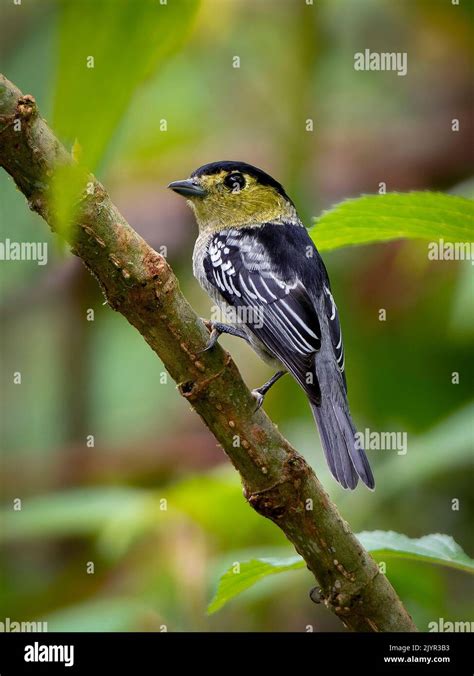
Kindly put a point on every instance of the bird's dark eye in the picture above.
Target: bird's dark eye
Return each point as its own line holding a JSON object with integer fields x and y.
{"x": 234, "y": 182}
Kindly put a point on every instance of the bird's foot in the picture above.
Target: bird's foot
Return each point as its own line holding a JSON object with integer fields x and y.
{"x": 208, "y": 323}
{"x": 259, "y": 397}
{"x": 260, "y": 392}
{"x": 216, "y": 328}
{"x": 213, "y": 338}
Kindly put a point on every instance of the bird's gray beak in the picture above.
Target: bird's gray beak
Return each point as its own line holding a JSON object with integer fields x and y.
{"x": 187, "y": 188}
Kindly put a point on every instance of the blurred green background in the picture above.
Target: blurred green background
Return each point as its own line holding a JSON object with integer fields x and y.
{"x": 154, "y": 504}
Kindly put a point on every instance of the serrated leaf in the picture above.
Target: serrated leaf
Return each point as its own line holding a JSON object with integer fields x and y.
{"x": 376, "y": 218}
{"x": 436, "y": 548}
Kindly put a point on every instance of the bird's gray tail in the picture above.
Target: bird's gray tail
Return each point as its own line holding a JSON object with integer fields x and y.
{"x": 344, "y": 453}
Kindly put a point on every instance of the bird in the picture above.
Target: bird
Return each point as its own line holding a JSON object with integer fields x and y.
{"x": 256, "y": 260}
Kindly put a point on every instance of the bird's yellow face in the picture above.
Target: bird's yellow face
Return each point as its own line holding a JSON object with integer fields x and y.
{"x": 232, "y": 198}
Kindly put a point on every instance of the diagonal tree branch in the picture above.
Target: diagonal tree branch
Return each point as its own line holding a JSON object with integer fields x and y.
{"x": 139, "y": 283}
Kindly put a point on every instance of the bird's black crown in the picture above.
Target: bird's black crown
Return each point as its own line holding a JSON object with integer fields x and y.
{"x": 228, "y": 165}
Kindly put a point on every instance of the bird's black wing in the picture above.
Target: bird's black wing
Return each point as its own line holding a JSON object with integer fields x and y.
{"x": 334, "y": 330}
{"x": 276, "y": 307}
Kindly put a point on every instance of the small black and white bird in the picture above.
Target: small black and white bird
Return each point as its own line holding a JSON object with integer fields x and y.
{"x": 256, "y": 260}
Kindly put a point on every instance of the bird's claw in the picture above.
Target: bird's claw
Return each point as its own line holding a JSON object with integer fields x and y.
{"x": 214, "y": 335}
{"x": 207, "y": 323}
{"x": 206, "y": 349}
{"x": 256, "y": 394}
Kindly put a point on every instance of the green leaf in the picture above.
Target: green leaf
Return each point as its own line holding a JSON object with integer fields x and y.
{"x": 435, "y": 548}
{"x": 233, "y": 583}
{"x": 376, "y": 218}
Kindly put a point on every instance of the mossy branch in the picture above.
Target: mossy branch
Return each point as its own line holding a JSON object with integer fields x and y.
{"x": 139, "y": 283}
